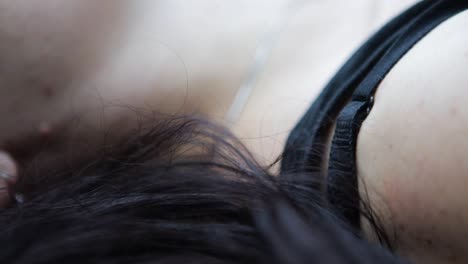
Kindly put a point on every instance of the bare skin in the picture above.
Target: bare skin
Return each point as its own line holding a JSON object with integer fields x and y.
{"x": 80, "y": 92}
{"x": 412, "y": 152}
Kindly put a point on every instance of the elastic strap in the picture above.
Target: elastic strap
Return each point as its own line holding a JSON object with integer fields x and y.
{"x": 342, "y": 188}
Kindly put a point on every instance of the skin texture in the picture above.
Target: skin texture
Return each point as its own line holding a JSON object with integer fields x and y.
{"x": 64, "y": 87}
{"x": 412, "y": 152}
{"x": 72, "y": 86}
{"x": 50, "y": 52}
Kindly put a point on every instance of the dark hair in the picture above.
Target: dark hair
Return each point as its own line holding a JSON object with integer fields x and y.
{"x": 181, "y": 191}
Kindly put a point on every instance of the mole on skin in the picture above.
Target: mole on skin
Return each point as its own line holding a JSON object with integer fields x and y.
{"x": 48, "y": 91}
{"x": 45, "y": 130}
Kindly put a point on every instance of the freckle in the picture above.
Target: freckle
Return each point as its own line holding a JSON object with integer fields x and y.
{"x": 428, "y": 242}
{"x": 48, "y": 91}
{"x": 45, "y": 130}
{"x": 401, "y": 227}
{"x": 443, "y": 212}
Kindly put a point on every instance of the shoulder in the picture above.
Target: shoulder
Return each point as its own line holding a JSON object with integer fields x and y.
{"x": 412, "y": 147}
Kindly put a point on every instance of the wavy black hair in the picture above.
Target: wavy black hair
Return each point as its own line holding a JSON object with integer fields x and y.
{"x": 181, "y": 191}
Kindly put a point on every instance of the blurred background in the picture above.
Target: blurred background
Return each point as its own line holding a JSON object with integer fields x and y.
{"x": 74, "y": 70}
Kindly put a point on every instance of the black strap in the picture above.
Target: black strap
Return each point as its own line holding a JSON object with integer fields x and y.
{"x": 342, "y": 190}
{"x": 342, "y": 187}
{"x": 305, "y": 146}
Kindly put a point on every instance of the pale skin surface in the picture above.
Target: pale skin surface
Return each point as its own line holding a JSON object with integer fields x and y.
{"x": 180, "y": 58}
{"x": 412, "y": 152}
